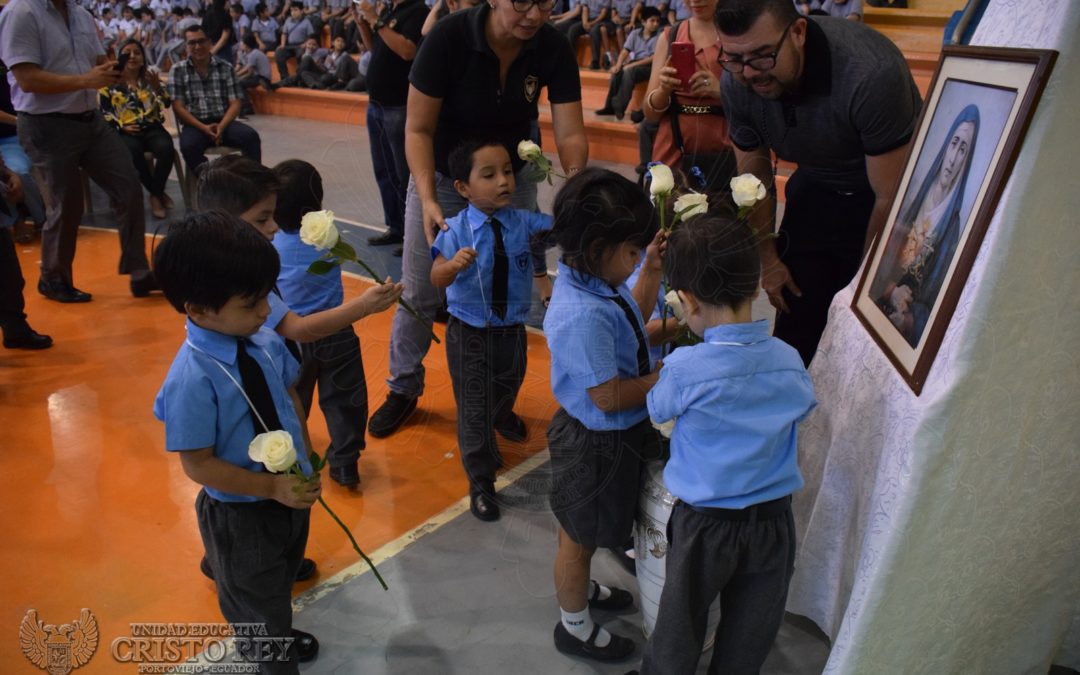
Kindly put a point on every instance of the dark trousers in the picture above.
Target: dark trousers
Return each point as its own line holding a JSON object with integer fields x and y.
{"x": 157, "y": 142}
{"x": 748, "y": 563}
{"x": 487, "y": 367}
{"x": 821, "y": 242}
{"x": 12, "y": 304}
{"x": 282, "y": 56}
{"x": 314, "y": 76}
{"x": 578, "y": 29}
{"x": 646, "y": 138}
{"x": 254, "y": 549}
{"x": 386, "y": 134}
{"x": 194, "y": 143}
{"x": 61, "y": 147}
{"x": 621, "y": 89}
{"x": 334, "y": 363}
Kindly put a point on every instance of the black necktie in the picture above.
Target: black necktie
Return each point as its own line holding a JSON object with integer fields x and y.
{"x": 644, "y": 363}
{"x": 257, "y": 390}
{"x": 500, "y": 273}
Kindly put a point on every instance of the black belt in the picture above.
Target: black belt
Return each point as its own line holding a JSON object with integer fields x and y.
{"x": 87, "y": 116}
{"x": 762, "y": 511}
{"x": 700, "y": 109}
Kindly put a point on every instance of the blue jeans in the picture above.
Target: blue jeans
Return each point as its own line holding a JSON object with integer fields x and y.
{"x": 386, "y": 134}
{"x": 14, "y": 155}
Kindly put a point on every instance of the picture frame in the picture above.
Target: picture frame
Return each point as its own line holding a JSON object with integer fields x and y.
{"x": 976, "y": 113}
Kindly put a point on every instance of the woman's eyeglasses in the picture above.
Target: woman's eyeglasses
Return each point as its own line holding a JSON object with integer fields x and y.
{"x": 758, "y": 63}
{"x": 523, "y": 6}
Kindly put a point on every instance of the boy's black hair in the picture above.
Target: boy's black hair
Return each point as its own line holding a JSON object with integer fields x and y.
{"x": 735, "y": 17}
{"x": 178, "y": 11}
{"x": 237, "y": 7}
{"x": 596, "y": 210}
{"x": 460, "y": 159}
{"x": 648, "y": 12}
{"x": 300, "y": 191}
{"x": 296, "y": 5}
{"x": 714, "y": 257}
{"x": 259, "y": 8}
{"x": 249, "y": 40}
{"x": 209, "y": 257}
{"x": 234, "y": 184}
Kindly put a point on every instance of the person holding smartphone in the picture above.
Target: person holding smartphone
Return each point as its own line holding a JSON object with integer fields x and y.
{"x": 683, "y": 100}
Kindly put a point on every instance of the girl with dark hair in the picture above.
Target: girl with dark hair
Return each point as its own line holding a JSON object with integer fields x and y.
{"x": 136, "y": 106}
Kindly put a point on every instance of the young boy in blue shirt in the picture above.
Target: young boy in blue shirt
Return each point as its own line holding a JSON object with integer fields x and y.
{"x": 230, "y": 381}
{"x": 736, "y": 399}
{"x": 333, "y": 361}
{"x": 482, "y": 260}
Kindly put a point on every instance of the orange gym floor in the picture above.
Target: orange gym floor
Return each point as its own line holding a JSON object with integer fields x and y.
{"x": 99, "y": 516}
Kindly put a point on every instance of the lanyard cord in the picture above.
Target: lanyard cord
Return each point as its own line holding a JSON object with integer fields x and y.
{"x": 239, "y": 386}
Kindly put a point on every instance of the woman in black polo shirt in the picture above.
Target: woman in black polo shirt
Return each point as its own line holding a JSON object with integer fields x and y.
{"x": 478, "y": 73}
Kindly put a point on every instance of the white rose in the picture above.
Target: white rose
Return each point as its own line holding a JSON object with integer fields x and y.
{"x": 691, "y": 204}
{"x": 747, "y": 190}
{"x": 666, "y": 428}
{"x": 274, "y": 449}
{"x": 662, "y": 182}
{"x": 672, "y": 300}
{"x": 529, "y": 151}
{"x": 317, "y": 229}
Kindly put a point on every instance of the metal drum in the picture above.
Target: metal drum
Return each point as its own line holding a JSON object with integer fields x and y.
{"x": 650, "y": 550}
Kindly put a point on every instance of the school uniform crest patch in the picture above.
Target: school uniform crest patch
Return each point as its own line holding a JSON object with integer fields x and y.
{"x": 532, "y": 86}
{"x": 522, "y": 261}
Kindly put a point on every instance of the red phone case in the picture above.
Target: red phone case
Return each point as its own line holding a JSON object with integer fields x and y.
{"x": 682, "y": 58}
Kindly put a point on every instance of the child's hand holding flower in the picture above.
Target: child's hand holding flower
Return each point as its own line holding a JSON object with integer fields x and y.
{"x": 654, "y": 253}
{"x": 382, "y": 297}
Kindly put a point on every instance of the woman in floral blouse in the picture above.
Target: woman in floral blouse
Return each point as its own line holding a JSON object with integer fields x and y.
{"x": 136, "y": 107}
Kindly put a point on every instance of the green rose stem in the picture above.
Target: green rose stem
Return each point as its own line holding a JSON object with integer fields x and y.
{"x": 317, "y": 464}
{"x": 661, "y": 203}
{"x": 342, "y": 251}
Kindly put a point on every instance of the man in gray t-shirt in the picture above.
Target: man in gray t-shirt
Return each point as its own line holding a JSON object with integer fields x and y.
{"x": 836, "y": 98}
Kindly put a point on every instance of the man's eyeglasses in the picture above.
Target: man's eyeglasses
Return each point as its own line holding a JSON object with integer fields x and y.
{"x": 758, "y": 63}
{"x": 523, "y": 6}
{"x": 198, "y": 41}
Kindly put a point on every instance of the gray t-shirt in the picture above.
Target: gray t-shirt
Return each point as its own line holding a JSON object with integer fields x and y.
{"x": 858, "y": 98}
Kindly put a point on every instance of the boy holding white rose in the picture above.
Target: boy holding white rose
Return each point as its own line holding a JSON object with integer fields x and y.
{"x": 230, "y": 382}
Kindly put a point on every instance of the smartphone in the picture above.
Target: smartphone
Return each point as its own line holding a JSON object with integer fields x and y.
{"x": 682, "y": 58}
{"x": 121, "y": 61}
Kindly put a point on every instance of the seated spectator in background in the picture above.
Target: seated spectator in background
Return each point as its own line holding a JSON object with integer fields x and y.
{"x": 443, "y": 7}
{"x": 622, "y": 15}
{"x": 135, "y": 107}
{"x": 173, "y": 47}
{"x": 160, "y": 9}
{"x": 334, "y": 14}
{"x": 633, "y": 65}
{"x": 149, "y": 34}
{"x": 310, "y": 52}
{"x": 128, "y": 25}
{"x": 265, "y": 28}
{"x": 206, "y": 100}
{"x": 678, "y": 10}
{"x": 313, "y": 13}
{"x": 294, "y": 34}
{"x": 108, "y": 28}
{"x": 17, "y": 332}
{"x": 335, "y": 70}
{"x": 240, "y": 21}
{"x": 568, "y": 16}
{"x": 851, "y": 10}
{"x": 594, "y": 15}
{"x": 250, "y": 7}
{"x": 252, "y": 69}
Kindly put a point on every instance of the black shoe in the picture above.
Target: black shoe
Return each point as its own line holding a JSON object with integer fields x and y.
{"x": 618, "y": 600}
{"x": 385, "y": 239}
{"x": 391, "y": 414}
{"x": 484, "y": 507}
{"x": 142, "y": 283}
{"x": 397, "y": 252}
{"x": 305, "y": 646}
{"x": 303, "y": 573}
{"x": 620, "y": 115}
{"x": 23, "y": 336}
{"x": 594, "y": 66}
{"x": 637, "y": 116}
{"x": 513, "y": 429}
{"x": 619, "y": 648}
{"x": 62, "y": 292}
{"x": 606, "y": 110}
{"x": 345, "y": 476}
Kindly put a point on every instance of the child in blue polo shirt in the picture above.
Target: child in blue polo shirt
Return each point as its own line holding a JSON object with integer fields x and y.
{"x": 600, "y": 373}
{"x": 482, "y": 260}
{"x": 230, "y": 381}
{"x": 736, "y": 399}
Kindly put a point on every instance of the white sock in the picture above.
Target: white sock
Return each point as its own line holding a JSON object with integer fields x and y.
{"x": 580, "y": 625}
{"x": 605, "y": 592}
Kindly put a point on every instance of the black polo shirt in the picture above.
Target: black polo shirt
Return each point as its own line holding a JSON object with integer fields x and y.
{"x": 388, "y": 73}
{"x": 456, "y": 65}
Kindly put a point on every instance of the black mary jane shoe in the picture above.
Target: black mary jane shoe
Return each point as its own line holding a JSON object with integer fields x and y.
{"x": 618, "y": 600}
{"x": 305, "y": 645}
{"x": 484, "y": 507}
{"x": 618, "y": 649}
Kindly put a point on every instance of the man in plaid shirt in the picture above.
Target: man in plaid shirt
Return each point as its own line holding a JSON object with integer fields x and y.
{"x": 206, "y": 100}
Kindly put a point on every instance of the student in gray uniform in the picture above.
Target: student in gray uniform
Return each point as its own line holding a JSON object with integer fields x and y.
{"x": 633, "y": 65}
{"x": 294, "y": 34}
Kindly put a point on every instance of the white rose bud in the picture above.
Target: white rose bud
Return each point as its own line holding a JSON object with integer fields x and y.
{"x": 317, "y": 229}
{"x": 672, "y": 300}
{"x": 662, "y": 182}
{"x": 274, "y": 449}
{"x": 666, "y": 428}
{"x": 529, "y": 151}
{"x": 691, "y": 204}
{"x": 747, "y": 190}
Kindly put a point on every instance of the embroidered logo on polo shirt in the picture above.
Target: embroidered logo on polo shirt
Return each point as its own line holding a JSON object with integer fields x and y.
{"x": 522, "y": 261}
{"x": 532, "y": 85}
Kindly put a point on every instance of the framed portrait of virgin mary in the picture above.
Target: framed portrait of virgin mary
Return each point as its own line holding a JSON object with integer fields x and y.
{"x": 973, "y": 121}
